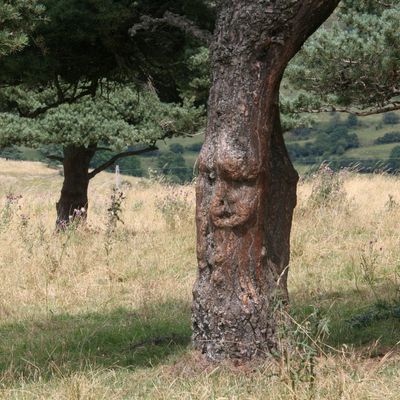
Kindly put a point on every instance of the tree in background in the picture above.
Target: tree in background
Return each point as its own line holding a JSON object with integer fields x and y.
{"x": 390, "y": 118}
{"x": 17, "y": 20}
{"x": 74, "y": 62}
{"x": 174, "y": 167}
{"x": 394, "y": 159}
{"x": 352, "y": 121}
{"x": 116, "y": 121}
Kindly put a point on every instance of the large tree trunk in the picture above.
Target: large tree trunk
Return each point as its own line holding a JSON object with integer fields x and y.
{"x": 246, "y": 190}
{"x": 74, "y": 193}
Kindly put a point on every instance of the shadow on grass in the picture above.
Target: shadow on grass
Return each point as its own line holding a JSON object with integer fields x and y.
{"x": 64, "y": 344}
{"x": 355, "y": 320}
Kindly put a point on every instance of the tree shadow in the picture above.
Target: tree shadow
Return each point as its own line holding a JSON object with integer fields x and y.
{"x": 64, "y": 344}
{"x": 61, "y": 345}
{"x": 354, "y": 318}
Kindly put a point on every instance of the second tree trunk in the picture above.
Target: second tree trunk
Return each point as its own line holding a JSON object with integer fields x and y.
{"x": 74, "y": 193}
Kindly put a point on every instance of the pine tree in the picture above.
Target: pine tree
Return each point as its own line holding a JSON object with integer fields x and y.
{"x": 123, "y": 122}
{"x": 352, "y": 64}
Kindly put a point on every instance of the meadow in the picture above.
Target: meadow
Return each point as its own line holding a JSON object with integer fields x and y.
{"x": 102, "y": 311}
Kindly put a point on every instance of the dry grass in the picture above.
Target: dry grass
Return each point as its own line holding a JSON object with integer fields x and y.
{"x": 86, "y": 315}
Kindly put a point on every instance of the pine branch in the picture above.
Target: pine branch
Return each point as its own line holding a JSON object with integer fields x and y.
{"x": 88, "y": 91}
{"x": 175, "y": 20}
{"x": 112, "y": 160}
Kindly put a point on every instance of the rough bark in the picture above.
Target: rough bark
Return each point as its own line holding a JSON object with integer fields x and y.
{"x": 74, "y": 193}
{"x": 246, "y": 190}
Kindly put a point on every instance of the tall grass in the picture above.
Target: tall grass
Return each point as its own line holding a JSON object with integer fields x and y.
{"x": 104, "y": 312}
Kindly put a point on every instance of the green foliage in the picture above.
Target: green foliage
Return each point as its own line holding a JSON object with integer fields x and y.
{"x": 123, "y": 117}
{"x": 195, "y": 147}
{"x": 352, "y": 121}
{"x": 12, "y": 153}
{"x": 174, "y": 167}
{"x": 390, "y": 118}
{"x": 378, "y": 312}
{"x": 86, "y": 41}
{"x": 390, "y": 137}
{"x": 199, "y": 74}
{"x": 176, "y": 148}
{"x": 128, "y": 166}
{"x": 15, "y": 130}
{"x": 17, "y": 19}
{"x": 394, "y": 159}
{"x": 332, "y": 140}
{"x": 354, "y": 61}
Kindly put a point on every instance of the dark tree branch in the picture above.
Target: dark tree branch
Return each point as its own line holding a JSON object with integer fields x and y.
{"x": 60, "y": 93}
{"x": 112, "y": 160}
{"x": 103, "y": 149}
{"x": 88, "y": 91}
{"x": 379, "y": 110}
{"x": 177, "y": 21}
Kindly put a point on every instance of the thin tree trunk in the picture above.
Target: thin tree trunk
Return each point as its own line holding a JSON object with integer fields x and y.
{"x": 74, "y": 193}
{"x": 246, "y": 189}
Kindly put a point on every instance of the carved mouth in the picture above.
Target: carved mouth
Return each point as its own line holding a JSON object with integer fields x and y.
{"x": 228, "y": 219}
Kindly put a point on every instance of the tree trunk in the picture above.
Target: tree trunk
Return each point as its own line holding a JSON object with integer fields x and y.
{"x": 246, "y": 190}
{"x": 74, "y": 194}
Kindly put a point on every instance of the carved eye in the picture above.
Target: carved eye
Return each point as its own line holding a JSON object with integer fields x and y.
{"x": 211, "y": 176}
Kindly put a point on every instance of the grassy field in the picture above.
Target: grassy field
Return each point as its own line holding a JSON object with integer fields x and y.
{"x": 104, "y": 313}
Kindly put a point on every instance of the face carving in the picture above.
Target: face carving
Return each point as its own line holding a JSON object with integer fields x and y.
{"x": 235, "y": 195}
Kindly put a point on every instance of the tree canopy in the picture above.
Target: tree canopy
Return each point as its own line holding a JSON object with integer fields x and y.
{"x": 83, "y": 42}
{"x": 119, "y": 118}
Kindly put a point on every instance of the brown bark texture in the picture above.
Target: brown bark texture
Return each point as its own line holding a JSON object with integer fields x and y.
{"x": 246, "y": 189}
{"x": 74, "y": 193}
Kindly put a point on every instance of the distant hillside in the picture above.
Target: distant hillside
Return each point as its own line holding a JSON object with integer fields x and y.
{"x": 342, "y": 140}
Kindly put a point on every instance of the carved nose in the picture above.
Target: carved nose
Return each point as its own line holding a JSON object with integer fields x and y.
{"x": 220, "y": 204}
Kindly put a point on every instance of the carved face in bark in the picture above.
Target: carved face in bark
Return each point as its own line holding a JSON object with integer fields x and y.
{"x": 233, "y": 172}
{"x": 233, "y": 203}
